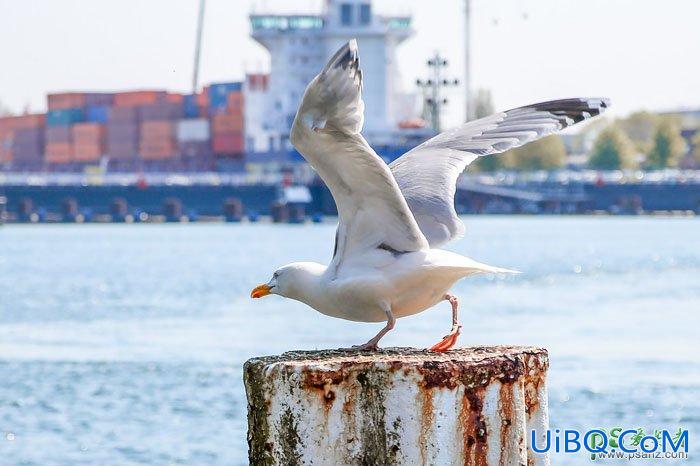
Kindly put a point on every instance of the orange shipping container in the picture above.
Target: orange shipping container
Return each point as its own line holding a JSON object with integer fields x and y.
{"x": 59, "y": 152}
{"x": 135, "y": 98}
{"x": 157, "y": 129}
{"x": 22, "y": 122}
{"x": 65, "y": 100}
{"x": 174, "y": 98}
{"x": 87, "y": 152}
{"x": 88, "y": 133}
{"x": 202, "y": 98}
{"x": 228, "y": 143}
{"x": 234, "y": 103}
{"x": 227, "y": 124}
{"x": 157, "y": 150}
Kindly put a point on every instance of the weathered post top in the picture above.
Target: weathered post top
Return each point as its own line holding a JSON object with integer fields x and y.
{"x": 473, "y": 406}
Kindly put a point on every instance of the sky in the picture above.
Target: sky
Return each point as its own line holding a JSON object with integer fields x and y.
{"x": 643, "y": 54}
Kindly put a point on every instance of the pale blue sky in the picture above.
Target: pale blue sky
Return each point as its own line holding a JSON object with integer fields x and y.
{"x": 640, "y": 53}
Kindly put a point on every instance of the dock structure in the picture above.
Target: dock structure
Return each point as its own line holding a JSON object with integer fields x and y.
{"x": 398, "y": 406}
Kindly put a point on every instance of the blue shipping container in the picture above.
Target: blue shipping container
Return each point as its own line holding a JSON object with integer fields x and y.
{"x": 190, "y": 107}
{"x": 64, "y": 116}
{"x": 219, "y": 92}
{"x": 97, "y": 113}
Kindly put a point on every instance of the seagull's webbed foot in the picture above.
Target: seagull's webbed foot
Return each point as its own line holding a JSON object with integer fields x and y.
{"x": 449, "y": 340}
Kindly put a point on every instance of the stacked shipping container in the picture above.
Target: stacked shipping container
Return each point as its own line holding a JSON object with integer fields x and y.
{"x": 123, "y": 132}
{"x": 20, "y": 137}
{"x": 131, "y": 127}
{"x": 88, "y": 141}
{"x": 157, "y": 140}
{"x": 226, "y": 108}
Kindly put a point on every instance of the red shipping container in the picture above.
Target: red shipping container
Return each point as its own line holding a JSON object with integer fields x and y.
{"x": 22, "y": 121}
{"x": 134, "y": 98}
{"x": 202, "y": 98}
{"x": 88, "y": 141}
{"x": 234, "y": 103}
{"x": 157, "y": 150}
{"x": 257, "y": 81}
{"x": 87, "y": 152}
{"x": 64, "y": 100}
{"x": 174, "y": 97}
{"x": 59, "y": 152}
{"x": 227, "y": 124}
{"x": 228, "y": 143}
{"x": 88, "y": 133}
{"x": 157, "y": 129}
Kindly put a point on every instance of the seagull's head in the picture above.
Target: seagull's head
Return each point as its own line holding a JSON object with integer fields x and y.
{"x": 294, "y": 281}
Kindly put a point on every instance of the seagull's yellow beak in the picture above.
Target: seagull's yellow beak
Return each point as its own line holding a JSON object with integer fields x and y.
{"x": 260, "y": 291}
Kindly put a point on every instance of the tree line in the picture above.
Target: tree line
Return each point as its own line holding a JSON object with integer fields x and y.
{"x": 641, "y": 140}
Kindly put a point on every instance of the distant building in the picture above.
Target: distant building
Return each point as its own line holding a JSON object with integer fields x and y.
{"x": 299, "y": 46}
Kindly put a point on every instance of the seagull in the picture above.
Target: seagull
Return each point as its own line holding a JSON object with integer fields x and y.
{"x": 392, "y": 219}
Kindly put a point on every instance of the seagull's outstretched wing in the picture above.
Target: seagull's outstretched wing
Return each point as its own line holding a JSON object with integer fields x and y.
{"x": 326, "y": 131}
{"x": 427, "y": 174}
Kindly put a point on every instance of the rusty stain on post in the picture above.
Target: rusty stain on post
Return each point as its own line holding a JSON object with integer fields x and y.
{"x": 473, "y": 406}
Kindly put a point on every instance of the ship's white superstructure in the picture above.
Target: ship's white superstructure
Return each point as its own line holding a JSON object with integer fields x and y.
{"x": 299, "y": 46}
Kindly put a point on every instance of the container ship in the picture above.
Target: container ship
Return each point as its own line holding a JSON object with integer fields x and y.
{"x": 141, "y": 130}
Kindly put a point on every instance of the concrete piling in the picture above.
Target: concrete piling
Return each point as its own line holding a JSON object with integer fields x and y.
{"x": 399, "y": 406}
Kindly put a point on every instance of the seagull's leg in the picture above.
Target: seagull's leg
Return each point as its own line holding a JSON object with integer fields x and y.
{"x": 450, "y": 339}
{"x": 373, "y": 343}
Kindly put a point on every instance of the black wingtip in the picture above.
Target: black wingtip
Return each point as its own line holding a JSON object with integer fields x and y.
{"x": 345, "y": 57}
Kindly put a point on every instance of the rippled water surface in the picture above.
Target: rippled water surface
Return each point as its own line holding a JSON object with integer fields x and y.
{"x": 124, "y": 344}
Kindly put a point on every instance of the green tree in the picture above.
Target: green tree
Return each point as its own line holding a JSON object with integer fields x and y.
{"x": 696, "y": 148}
{"x": 543, "y": 154}
{"x": 640, "y": 128}
{"x": 668, "y": 146}
{"x": 612, "y": 150}
{"x": 489, "y": 163}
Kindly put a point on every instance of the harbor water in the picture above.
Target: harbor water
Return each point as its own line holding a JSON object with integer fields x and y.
{"x": 124, "y": 344}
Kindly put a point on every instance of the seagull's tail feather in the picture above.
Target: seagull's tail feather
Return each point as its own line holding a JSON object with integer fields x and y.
{"x": 477, "y": 267}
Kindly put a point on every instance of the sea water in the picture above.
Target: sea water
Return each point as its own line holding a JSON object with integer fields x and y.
{"x": 124, "y": 344}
